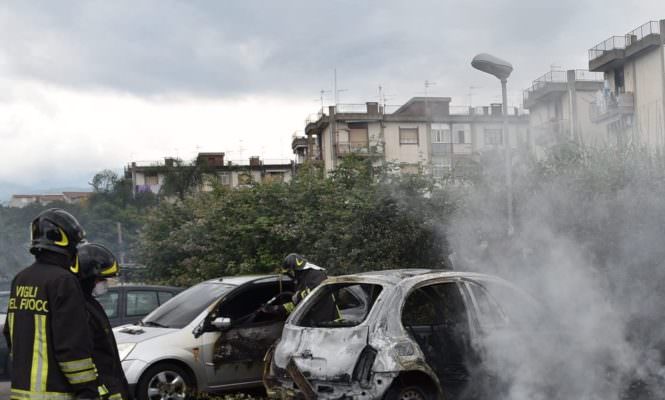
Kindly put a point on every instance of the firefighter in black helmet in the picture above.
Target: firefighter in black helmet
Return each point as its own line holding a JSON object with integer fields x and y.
{"x": 47, "y": 329}
{"x": 306, "y": 277}
{"x": 96, "y": 264}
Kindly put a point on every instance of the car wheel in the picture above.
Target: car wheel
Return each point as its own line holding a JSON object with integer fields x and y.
{"x": 165, "y": 381}
{"x": 408, "y": 392}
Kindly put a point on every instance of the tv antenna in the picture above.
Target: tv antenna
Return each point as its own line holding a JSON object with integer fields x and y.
{"x": 428, "y": 84}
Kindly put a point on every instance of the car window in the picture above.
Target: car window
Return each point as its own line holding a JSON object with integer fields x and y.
{"x": 521, "y": 310}
{"x": 109, "y": 302}
{"x": 4, "y": 300}
{"x": 140, "y": 302}
{"x": 420, "y": 309}
{"x": 490, "y": 315}
{"x": 164, "y": 297}
{"x": 340, "y": 305}
{"x": 186, "y": 305}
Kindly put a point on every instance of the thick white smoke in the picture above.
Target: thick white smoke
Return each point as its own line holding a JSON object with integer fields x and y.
{"x": 589, "y": 244}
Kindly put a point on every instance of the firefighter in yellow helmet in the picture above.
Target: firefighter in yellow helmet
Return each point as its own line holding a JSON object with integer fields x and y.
{"x": 306, "y": 276}
{"x": 96, "y": 264}
{"x": 47, "y": 322}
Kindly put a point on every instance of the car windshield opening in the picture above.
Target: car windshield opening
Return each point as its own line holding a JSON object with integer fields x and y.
{"x": 183, "y": 308}
{"x": 340, "y": 305}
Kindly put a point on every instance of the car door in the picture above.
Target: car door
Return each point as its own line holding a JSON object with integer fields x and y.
{"x": 436, "y": 316}
{"x": 235, "y": 354}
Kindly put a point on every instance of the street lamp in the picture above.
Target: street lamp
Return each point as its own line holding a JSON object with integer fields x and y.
{"x": 501, "y": 69}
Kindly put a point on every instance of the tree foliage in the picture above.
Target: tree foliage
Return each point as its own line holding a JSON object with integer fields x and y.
{"x": 360, "y": 218}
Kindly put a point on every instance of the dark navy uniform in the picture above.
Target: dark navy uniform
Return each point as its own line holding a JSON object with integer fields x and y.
{"x": 47, "y": 332}
{"x": 105, "y": 352}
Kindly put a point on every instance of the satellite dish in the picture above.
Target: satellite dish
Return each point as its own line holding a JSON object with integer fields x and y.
{"x": 492, "y": 65}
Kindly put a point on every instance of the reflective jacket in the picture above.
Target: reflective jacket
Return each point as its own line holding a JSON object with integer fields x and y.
{"x": 105, "y": 352}
{"x": 306, "y": 280}
{"x": 48, "y": 336}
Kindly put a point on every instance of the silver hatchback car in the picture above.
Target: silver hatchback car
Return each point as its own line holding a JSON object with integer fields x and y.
{"x": 208, "y": 338}
{"x": 401, "y": 334}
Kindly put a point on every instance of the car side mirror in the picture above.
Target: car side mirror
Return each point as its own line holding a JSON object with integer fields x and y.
{"x": 221, "y": 323}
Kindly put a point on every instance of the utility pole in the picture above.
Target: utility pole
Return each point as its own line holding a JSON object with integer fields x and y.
{"x": 120, "y": 246}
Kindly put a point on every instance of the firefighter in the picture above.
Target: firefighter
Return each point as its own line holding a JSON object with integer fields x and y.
{"x": 47, "y": 330}
{"x": 96, "y": 264}
{"x": 306, "y": 276}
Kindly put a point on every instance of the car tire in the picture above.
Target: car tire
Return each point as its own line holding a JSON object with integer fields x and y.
{"x": 165, "y": 380}
{"x": 408, "y": 392}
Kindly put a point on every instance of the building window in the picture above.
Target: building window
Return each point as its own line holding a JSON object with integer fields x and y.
{"x": 151, "y": 179}
{"x": 440, "y": 135}
{"x": 244, "y": 178}
{"x": 273, "y": 177}
{"x": 408, "y": 135}
{"x": 493, "y": 137}
{"x": 460, "y": 137}
{"x": 358, "y": 136}
{"x": 225, "y": 179}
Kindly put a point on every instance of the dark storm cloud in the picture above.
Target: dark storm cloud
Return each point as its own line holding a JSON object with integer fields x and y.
{"x": 289, "y": 48}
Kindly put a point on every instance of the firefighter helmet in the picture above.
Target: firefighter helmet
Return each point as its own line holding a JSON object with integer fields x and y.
{"x": 95, "y": 261}
{"x": 292, "y": 263}
{"x": 55, "y": 230}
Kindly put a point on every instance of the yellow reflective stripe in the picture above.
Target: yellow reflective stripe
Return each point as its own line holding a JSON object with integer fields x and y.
{"x": 115, "y": 396}
{"x": 102, "y": 390}
{"x": 111, "y": 271}
{"x": 81, "y": 377}
{"x": 76, "y": 365}
{"x": 10, "y": 317}
{"x": 17, "y": 394}
{"x": 289, "y": 307}
{"x": 39, "y": 369}
{"x": 65, "y": 241}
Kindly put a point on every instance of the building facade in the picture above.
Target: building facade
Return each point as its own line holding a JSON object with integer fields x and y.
{"x": 630, "y": 106}
{"x": 424, "y": 132}
{"x": 150, "y": 176}
{"x": 22, "y": 200}
{"x": 559, "y": 109}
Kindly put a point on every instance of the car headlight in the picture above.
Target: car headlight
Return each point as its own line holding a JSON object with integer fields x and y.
{"x": 124, "y": 349}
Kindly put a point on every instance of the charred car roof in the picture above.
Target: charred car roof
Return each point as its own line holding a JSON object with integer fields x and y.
{"x": 397, "y": 276}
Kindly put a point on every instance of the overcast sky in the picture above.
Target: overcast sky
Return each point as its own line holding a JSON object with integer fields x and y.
{"x": 88, "y": 85}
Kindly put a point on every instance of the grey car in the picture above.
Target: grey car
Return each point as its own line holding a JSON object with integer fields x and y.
{"x": 401, "y": 334}
{"x": 210, "y": 337}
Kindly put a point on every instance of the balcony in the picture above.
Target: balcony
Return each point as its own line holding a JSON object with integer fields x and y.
{"x": 612, "y": 52}
{"x": 344, "y": 148}
{"x": 558, "y": 82}
{"x": 444, "y": 149}
{"x": 610, "y": 107}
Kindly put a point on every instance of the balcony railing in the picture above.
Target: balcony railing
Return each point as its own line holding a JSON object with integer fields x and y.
{"x": 351, "y": 108}
{"x": 650, "y": 28}
{"x": 608, "y": 106}
{"x": 352, "y": 147}
{"x": 583, "y": 75}
{"x": 613, "y": 43}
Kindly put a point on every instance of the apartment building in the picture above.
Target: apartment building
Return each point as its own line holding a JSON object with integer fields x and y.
{"x": 424, "y": 132}
{"x": 150, "y": 176}
{"x": 630, "y": 106}
{"x": 22, "y": 200}
{"x": 559, "y": 109}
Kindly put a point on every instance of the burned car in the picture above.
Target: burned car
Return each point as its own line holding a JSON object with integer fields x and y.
{"x": 210, "y": 337}
{"x": 400, "y": 334}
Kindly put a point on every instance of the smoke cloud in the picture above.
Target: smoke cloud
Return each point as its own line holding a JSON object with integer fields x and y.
{"x": 588, "y": 245}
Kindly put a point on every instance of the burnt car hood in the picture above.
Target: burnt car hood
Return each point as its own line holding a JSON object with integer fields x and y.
{"x": 137, "y": 333}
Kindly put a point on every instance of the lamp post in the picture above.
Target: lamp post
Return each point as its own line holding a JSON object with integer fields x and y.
{"x": 501, "y": 69}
